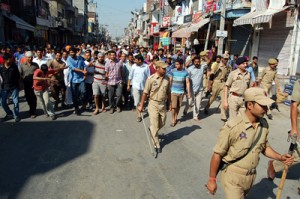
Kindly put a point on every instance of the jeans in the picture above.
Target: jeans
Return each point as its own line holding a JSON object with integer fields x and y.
{"x": 89, "y": 93}
{"x": 30, "y": 96}
{"x": 115, "y": 90}
{"x": 43, "y": 98}
{"x": 78, "y": 93}
{"x": 15, "y": 97}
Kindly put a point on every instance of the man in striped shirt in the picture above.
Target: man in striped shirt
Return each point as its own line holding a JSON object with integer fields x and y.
{"x": 100, "y": 83}
{"x": 180, "y": 82}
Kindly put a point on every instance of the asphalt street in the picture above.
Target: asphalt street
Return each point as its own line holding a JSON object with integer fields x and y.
{"x": 108, "y": 156}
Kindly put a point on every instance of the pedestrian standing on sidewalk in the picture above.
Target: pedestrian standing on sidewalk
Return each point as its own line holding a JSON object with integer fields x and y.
{"x": 277, "y": 166}
{"x": 268, "y": 75}
{"x": 41, "y": 77}
{"x": 137, "y": 77}
{"x": 238, "y": 81}
{"x": 115, "y": 75}
{"x": 157, "y": 89}
{"x": 26, "y": 71}
{"x": 239, "y": 145}
{"x": 180, "y": 84}
{"x": 9, "y": 83}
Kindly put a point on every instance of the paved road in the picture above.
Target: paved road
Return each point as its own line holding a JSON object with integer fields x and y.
{"x": 107, "y": 156}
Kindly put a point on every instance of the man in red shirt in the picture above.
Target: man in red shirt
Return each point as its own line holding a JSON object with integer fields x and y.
{"x": 40, "y": 85}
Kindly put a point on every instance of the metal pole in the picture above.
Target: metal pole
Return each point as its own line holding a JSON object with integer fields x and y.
{"x": 207, "y": 36}
{"x": 222, "y": 26}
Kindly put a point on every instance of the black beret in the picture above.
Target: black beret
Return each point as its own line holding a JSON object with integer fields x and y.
{"x": 241, "y": 60}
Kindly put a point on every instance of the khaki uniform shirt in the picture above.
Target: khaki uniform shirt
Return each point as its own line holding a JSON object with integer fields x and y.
{"x": 153, "y": 83}
{"x": 215, "y": 66}
{"x": 236, "y": 138}
{"x": 221, "y": 73}
{"x": 268, "y": 75}
{"x": 238, "y": 82}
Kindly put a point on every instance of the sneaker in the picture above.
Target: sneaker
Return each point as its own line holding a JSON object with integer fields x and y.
{"x": 118, "y": 109}
{"x": 138, "y": 119}
{"x": 32, "y": 116}
{"x": 17, "y": 119}
{"x": 53, "y": 117}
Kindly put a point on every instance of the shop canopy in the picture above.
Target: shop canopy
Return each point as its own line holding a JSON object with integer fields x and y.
{"x": 261, "y": 14}
{"x": 200, "y": 24}
{"x": 20, "y": 23}
{"x": 182, "y": 33}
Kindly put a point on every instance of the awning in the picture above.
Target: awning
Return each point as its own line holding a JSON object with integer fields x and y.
{"x": 182, "y": 33}
{"x": 20, "y": 23}
{"x": 256, "y": 17}
{"x": 200, "y": 24}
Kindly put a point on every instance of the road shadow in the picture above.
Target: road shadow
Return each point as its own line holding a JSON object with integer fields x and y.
{"x": 28, "y": 149}
{"x": 265, "y": 188}
{"x": 177, "y": 134}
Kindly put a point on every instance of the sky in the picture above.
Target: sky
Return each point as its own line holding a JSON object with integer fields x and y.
{"x": 117, "y": 14}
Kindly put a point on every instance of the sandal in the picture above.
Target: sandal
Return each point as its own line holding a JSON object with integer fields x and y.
{"x": 103, "y": 110}
{"x": 173, "y": 124}
{"x": 96, "y": 112}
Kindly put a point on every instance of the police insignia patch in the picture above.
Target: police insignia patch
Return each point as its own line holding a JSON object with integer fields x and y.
{"x": 243, "y": 135}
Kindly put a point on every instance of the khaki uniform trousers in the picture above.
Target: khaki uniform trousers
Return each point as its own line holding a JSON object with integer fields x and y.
{"x": 157, "y": 114}
{"x": 236, "y": 105}
{"x": 217, "y": 89}
{"x": 236, "y": 182}
{"x": 267, "y": 88}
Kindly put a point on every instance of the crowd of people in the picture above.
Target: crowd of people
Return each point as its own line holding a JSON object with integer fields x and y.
{"x": 87, "y": 75}
{"x": 112, "y": 78}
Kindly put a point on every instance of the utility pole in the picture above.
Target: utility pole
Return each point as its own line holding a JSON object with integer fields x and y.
{"x": 222, "y": 26}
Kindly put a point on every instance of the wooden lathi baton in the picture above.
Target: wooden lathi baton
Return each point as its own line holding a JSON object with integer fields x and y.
{"x": 286, "y": 167}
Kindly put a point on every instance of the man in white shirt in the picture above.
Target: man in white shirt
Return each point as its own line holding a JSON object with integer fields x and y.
{"x": 138, "y": 76}
{"x": 40, "y": 59}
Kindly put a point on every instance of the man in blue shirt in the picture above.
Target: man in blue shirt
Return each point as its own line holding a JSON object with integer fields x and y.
{"x": 180, "y": 82}
{"x": 196, "y": 72}
{"x": 77, "y": 76}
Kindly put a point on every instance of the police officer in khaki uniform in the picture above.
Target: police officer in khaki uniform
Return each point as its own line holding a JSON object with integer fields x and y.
{"x": 268, "y": 75}
{"x": 204, "y": 61}
{"x": 239, "y": 144}
{"x": 276, "y": 166}
{"x": 218, "y": 76}
{"x": 157, "y": 88}
{"x": 238, "y": 81}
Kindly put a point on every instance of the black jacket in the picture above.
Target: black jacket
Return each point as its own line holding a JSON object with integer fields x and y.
{"x": 10, "y": 76}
